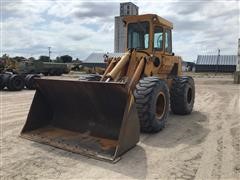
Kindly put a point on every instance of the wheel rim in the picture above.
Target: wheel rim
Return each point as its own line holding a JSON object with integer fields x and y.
{"x": 189, "y": 95}
{"x": 160, "y": 105}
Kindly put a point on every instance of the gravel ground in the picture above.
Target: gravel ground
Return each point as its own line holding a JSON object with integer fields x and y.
{"x": 203, "y": 145}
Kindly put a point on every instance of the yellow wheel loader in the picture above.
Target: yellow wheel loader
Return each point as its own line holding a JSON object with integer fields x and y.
{"x": 102, "y": 117}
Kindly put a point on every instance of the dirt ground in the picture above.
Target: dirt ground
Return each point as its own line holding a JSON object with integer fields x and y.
{"x": 203, "y": 145}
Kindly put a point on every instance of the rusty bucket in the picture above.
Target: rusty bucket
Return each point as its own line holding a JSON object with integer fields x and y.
{"x": 96, "y": 119}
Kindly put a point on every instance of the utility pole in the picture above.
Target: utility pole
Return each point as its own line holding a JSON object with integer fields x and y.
{"x": 49, "y": 53}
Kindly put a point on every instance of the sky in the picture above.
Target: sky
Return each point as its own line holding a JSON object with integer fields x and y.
{"x": 78, "y": 28}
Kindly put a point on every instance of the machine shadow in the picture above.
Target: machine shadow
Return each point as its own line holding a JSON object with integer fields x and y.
{"x": 132, "y": 164}
{"x": 188, "y": 129}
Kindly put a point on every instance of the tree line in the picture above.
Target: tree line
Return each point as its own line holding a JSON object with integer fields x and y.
{"x": 59, "y": 59}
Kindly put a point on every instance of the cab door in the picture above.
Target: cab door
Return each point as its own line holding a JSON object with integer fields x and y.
{"x": 167, "y": 41}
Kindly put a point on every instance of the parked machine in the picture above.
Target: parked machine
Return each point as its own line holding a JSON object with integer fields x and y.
{"x": 17, "y": 82}
{"x": 15, "y": 75}
{"x": 37, "y": 67}
{"x": 102, "y": 117}
{"x": 13, "y": 80}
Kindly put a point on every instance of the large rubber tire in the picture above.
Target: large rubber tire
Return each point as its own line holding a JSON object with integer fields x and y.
{"x": 152, "y": 101}
{"x": 2, "y": 83}
{"x": 15, "y": 83}
{"x": 182, "y": 95}
{"x": 90, "y": 77}
{"x": 5, "y": 78}
{"x": 52, "y": 72}
{"x": 45, "y": 73}
{"x": 30, "y": 81}
{"x": 58, "y": 72}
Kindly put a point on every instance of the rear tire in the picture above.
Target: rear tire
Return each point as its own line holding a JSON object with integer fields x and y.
{"x": 152, "y": 101}
{"x": 15, "y": 83}
{"x": 90, "y": 77}
{"x": 182, "y": 95}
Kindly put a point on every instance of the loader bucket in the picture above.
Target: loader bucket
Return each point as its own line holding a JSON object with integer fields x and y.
{"x": 96, "y": 119}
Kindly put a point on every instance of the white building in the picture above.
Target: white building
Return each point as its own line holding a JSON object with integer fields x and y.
{"x": 120, "y": 31}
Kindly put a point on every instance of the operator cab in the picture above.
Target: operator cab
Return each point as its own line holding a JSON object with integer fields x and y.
{"x": 149, "y": 33}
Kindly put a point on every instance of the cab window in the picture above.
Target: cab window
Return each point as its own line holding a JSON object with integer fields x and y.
{"x": 168, "y": 44}
{"x": 158, "y": 38}
{"x": 138, "y": 35}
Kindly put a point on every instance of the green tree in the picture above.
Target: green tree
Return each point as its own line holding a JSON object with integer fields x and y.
{"x": 44, "y": 58}
{"x": 66, "y": 59}
{"x": 58, "y": 60}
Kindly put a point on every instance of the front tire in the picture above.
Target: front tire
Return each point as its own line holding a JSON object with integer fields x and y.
{"x": 30, "y": 81}
{"x": 152, "y": 101}
{"x": 2, "y": 83}
{"x": 182, "y": 95}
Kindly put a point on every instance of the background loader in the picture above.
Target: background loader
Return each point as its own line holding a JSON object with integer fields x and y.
{"x": 102, "y": 116}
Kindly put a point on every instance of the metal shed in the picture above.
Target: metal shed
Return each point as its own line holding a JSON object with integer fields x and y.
{"x": 216, "y": 63}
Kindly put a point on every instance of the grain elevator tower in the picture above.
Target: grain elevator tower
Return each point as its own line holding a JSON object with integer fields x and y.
{"x": 120, "y": 38}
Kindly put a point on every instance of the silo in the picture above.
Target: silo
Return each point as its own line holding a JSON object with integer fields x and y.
{"x": 120, "y": 37}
